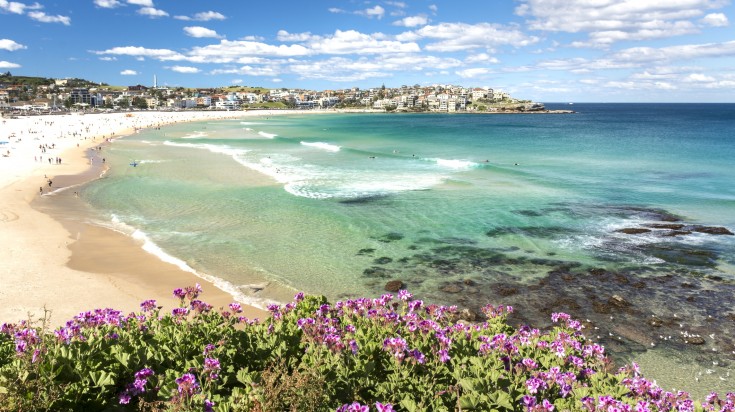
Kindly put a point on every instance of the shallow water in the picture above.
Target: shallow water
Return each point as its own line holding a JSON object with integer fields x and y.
{"x": 464, "y": 209}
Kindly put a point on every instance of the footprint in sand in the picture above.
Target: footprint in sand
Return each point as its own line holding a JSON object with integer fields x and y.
{"x": 7, "y": 216}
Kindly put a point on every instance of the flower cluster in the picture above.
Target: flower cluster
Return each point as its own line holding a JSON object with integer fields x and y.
{"x": 137, "y": 387}
{"x": 406, "y": 352}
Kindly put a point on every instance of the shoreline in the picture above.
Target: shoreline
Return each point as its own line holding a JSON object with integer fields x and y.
{"x": 53, "y": 261}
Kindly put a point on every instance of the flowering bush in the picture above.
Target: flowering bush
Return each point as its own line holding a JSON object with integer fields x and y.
{"x": 363, "y": 354}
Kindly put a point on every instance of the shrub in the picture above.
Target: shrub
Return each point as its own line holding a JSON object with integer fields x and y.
{"x": 385, "y": 354}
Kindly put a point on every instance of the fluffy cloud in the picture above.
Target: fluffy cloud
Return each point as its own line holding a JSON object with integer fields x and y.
{"x": 203, "y": 16}
{"x": 17, "y": 8}
{"x": 270, "y": 71}
{"x": 10, "y": 45}
{"x": 184, "y": 69}
{"x": 641, "y": 55}
{"x": 612, "y": 21}
{"x": 8, "y": 65}
{"x": 107, "y": 4}
{"x": 354, "y": 42}
{"x": 152, "y": 12}
{"x": 412, "y": 21}
{"x": 715, "y": 20}
{"x": 141, "y": 52}
{"x": 129, "y": 72}
{"x": 377, "y": 12}
{"x": 199, "y": 32}
{"x": 143, "y": 3}
{"x": 472, "y": 73}
{"x": 283, "y": 35}
{"x": 461, "y": 36}
{"x": 481, "y": 58}
{"x": 228, "y": 51}
{"x": 45, "y": 18}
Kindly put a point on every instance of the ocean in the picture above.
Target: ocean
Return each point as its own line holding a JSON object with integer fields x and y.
{"x": 617, "y": 214}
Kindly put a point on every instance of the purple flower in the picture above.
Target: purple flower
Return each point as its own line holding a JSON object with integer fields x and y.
{"x": 149, "y": 304}
{"x": 354, "y": 347}
{"x": 124, "y": 398}
{"x": 354, "y": 407}
{"x": 180, "y": 312}
{"x": 179, "y": 293}
{"x": 211, "y": 364}
{"x": 443, "y": 356}
{"x": 534, "y": 385}
{"x": 187, "y": 384}
{"x": 208, "y": 405}
{"x": 383, "y": 407}
{"x": 548, "y": 406}
{"x": 404, "y": 295}
{"x": 139, "y": 385}
{"x": 235, "y": 307}
{"x": 299, "y": 297}
{"x": 529, "y": 401}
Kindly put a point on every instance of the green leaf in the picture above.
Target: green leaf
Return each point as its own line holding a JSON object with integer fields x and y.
{"x": 409, "y": 404}
{"x": 503, "y": 400}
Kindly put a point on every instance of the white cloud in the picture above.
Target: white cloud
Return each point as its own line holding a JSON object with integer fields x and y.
{"x": 17, "y": 8}
{"x": 203, "y": 16}
{"x": 462, "y": 36}
{"x": 10, "y": 45}
{"x": 250, "y": 71}
{"x": 399, "y": 4}
{"x": 610, "y": 21}
{"x": 129, "y": 73}
{"x": 236, "y": 81}
{"x": 482, "y": 57}
{"x": 336, "y": 10}
{"x": 228, "y": 51}
{"x": 200, "y": 32}
{"x": 144, "y": 3}
{"x": 433, "y": 8}
{"x": 108, "y": 59}
{"x": 276, "y": 80}
{"x": 8, "y": 65}
{"x": 642, "y": 55}
{"x": 141, "y": 52}
{"x": 715, "y": 20}
{"x": 354, "y": 42}
{"x": 107, "y": 4}
{"x": 184, "y": 69}
{"x": 472, "y": 73}
{"x": 699, "y": 78}
{"x": 45, "y": 18}
{"x": 412, "y": 21}
{"x": 283, "y": 35}
{"x": 376, "y": 11}
{"x": 152, "y": 12}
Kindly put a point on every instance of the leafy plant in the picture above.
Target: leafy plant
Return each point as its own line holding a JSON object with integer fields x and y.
{"x": 383, "y": 354}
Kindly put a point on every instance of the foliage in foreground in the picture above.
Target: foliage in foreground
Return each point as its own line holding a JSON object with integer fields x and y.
{"x": 362, "y": 355}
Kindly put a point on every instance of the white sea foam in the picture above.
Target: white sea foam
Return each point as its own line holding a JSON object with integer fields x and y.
{"x": 321, "y": 145}
{"x": 453, "y": 164}
{"x": 195, "y": 135}
{"x": 148, "y": 245}
{"x": 226, "y": 150}
{"x": 267, "y": 135}
{"x": 249, "y": 123}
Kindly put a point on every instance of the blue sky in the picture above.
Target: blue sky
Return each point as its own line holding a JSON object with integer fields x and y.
{"x": 544, "y": 50}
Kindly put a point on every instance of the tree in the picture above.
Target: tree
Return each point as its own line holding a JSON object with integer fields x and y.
{"x": 139, "y": 103}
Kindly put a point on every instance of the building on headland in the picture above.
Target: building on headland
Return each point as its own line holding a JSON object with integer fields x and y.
{"x": 440, "y": 98}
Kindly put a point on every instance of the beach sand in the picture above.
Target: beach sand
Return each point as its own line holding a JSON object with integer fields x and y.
{"x": 67, "y": 266}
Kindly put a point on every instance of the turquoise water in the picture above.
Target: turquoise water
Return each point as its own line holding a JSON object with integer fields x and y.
{"x": 464, "y": 209}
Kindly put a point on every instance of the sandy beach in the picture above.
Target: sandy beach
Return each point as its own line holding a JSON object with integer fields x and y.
{"x": 66, "y": 266}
